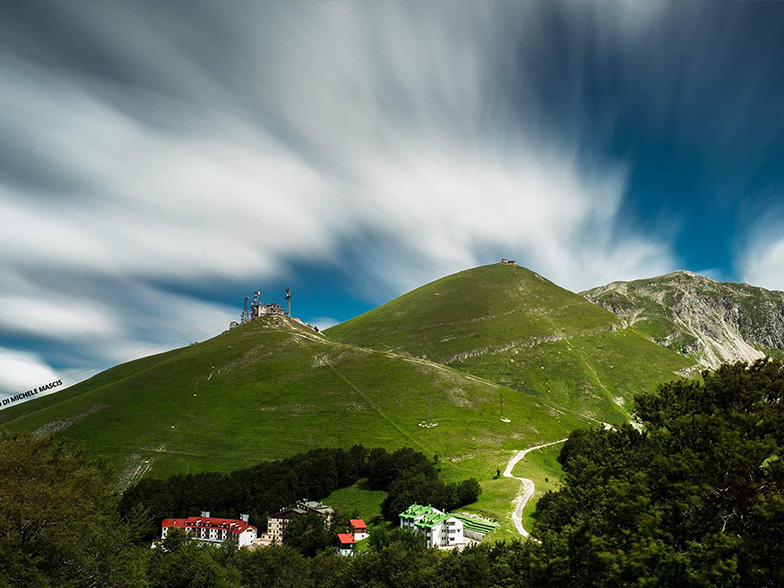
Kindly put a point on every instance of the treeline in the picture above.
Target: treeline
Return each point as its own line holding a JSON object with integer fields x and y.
{"x": 693, "y": 497}
{"x": 407, "y": 475}
{"x": 61, "y": 524}
{"x": 259, "y": 491}
{"x": 396, "y": 559}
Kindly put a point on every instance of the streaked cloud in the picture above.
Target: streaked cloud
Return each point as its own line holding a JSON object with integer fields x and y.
{"x": 761, "y": 260}
{"x": 146, "y": 151}
{"x": 20, "y": 371}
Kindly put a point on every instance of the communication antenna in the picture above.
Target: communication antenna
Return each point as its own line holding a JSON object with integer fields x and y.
{"x": 254, "y": 307}
{"x": 288, "y": 301}
{"x": 245, "y": 314}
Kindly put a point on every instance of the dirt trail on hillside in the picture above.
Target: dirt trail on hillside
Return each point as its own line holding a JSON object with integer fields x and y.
{"x": 527, "y": 490}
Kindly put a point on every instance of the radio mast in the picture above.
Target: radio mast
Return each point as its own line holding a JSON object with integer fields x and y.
{"x": 288, "y": 302}
{"x": 245, "y": 316}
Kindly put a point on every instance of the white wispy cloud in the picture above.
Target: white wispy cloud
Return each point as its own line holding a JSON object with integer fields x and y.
{"x": 761, "y": 259}
{"x": 20, "y": 371}
{"x": 322, "y": 124}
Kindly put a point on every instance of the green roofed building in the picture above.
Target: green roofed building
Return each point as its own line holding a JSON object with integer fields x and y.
{"x": 444, "y": 530}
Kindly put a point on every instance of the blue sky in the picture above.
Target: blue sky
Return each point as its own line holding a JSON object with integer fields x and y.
{"x": 160, "y": 161}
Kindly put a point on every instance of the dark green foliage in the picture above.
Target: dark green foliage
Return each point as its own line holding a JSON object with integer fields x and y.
{"x": 184, "y": 563}
{"x": 382, "y": 537}
{"x": 417, "y": 487}
{"x": 309, "y": 534}
{"x": 58, "y": 520}
{"x": 279, "y": 566}
{"x": 409, "y": 477}
{"x": 384, "y": 467}
{"x": 694, "y": 500}
{"x": 258, "y": 491}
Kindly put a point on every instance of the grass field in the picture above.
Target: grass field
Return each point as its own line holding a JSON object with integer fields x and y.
{"x": 496, "y": 501}
{"x": 357, "y": 501}
{"x": 510, "y": 326}
{"x": 270, "y": 388}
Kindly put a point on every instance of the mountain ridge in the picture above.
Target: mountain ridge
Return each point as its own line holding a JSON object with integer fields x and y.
{"x": 710, "y": 321}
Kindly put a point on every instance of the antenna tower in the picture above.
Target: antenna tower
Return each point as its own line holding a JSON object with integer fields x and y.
{"x": 245, "y": 314}
{"x": 288, "y": 301}
{"x": 254, "y": 307}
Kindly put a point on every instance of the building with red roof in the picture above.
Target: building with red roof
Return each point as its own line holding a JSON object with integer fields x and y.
{"x": 213, "y": 529}
{"x": 346, "y": 544}
{"x": 359, "y": 529}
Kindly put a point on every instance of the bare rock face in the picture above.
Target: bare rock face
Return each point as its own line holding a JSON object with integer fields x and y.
{"x": 709, "y": 321}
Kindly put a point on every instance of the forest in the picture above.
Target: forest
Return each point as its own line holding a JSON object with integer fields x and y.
{"x": 689, "y": 494}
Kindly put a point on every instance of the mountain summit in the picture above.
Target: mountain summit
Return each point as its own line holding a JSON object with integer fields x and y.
{"x": 510, "y": 325}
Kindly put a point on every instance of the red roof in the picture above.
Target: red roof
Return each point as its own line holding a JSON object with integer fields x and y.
{"x": 232, "y": 525}
{"x": 357, "y": 524}
{"x": 346, "y": 538}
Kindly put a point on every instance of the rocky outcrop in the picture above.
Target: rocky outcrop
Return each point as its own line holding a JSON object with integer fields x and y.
{"x": 712, "y": 322}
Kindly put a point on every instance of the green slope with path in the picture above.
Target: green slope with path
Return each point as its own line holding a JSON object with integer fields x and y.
{"x": 271, "y": 388}
{"x": 510, "y": 325}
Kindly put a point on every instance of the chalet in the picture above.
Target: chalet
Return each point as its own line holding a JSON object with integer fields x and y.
{"x": 445, "y": 530}
{"x": 346, "y": 544}
{"x": 277, "y": 523}
{"x": 441, "y": 530}
{"x": 358, "y": 529}
{"x": 213, "y": 530}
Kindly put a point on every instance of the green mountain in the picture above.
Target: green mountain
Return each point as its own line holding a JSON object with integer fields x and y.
{"x": 510, "y": 325}
{"x": 711, "y": 322}
{"x": 271, "y": 387}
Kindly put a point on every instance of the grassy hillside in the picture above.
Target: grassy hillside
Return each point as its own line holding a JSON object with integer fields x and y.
{"x": 270, "y": 388}
{"x": 509, "y": 325}
{"x": 711, "y": 322}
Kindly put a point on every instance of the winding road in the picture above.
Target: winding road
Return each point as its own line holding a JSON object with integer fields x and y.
{"x": 528, "y": 486}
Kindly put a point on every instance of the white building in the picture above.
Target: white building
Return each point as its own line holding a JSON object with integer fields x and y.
{"x": 346, "y": 543}
{"x": 358, "y": 529}
{"x": 442, "y": 531}
{"x": 213, "y": 529}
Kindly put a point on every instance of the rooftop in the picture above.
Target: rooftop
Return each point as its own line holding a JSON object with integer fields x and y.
{"x": 432, "y": 519}
{"x": 475, "y": 524}
{"x": 234, "y": 525}
{"x": 346, "y": 538}
{"x": 416, "y": 510}
{"x": 289, "y": 513}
